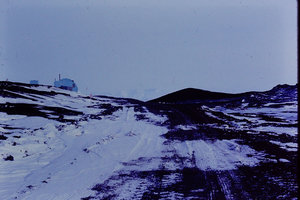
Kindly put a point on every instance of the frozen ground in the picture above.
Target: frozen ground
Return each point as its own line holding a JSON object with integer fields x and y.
{"x": 56, "y": 144}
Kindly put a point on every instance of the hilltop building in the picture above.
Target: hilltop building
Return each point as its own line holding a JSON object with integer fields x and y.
{"x": 34, "y": 82}
{"x": 66, "y": 84}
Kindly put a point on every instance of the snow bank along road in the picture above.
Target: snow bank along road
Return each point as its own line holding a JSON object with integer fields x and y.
{"x": 56, "y": 144}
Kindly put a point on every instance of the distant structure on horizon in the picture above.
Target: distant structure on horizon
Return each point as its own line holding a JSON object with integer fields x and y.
{"x": 34, "y": 82}
{"x": 66, "y": 84}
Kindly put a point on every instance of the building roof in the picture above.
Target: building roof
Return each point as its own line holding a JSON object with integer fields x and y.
{"x": 66, "y": 84}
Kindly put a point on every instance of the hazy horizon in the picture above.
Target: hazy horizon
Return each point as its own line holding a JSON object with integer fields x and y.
{"x": 144, "y": 49}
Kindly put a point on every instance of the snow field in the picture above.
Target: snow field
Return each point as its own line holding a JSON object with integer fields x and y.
{"x": 82, "y": 155}
{"x": 63, "y": 160}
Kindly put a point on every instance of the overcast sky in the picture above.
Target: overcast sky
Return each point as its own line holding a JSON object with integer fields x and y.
{"x": 146, "y": 48}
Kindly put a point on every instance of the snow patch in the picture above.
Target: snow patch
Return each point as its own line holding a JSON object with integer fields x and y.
{"x": 186, "y": 127}
{"x": 219, "y": 154}
{"x": 289, "y": 146}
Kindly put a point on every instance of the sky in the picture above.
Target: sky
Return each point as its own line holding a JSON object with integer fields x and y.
{"x": 144, "y": 49}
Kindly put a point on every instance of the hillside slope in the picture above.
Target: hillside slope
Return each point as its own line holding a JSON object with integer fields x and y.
{"x": 57, "y": 144}
{"x": 192, "y": 95}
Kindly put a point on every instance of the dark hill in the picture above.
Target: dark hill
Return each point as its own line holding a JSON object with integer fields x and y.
{"x": 192, "y": 94}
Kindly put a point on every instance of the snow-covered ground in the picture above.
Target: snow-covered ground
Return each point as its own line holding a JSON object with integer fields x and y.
{"x": 57, "y": 160}
{"x": 96, "y": 140}
{"x": 219, "y": 154}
